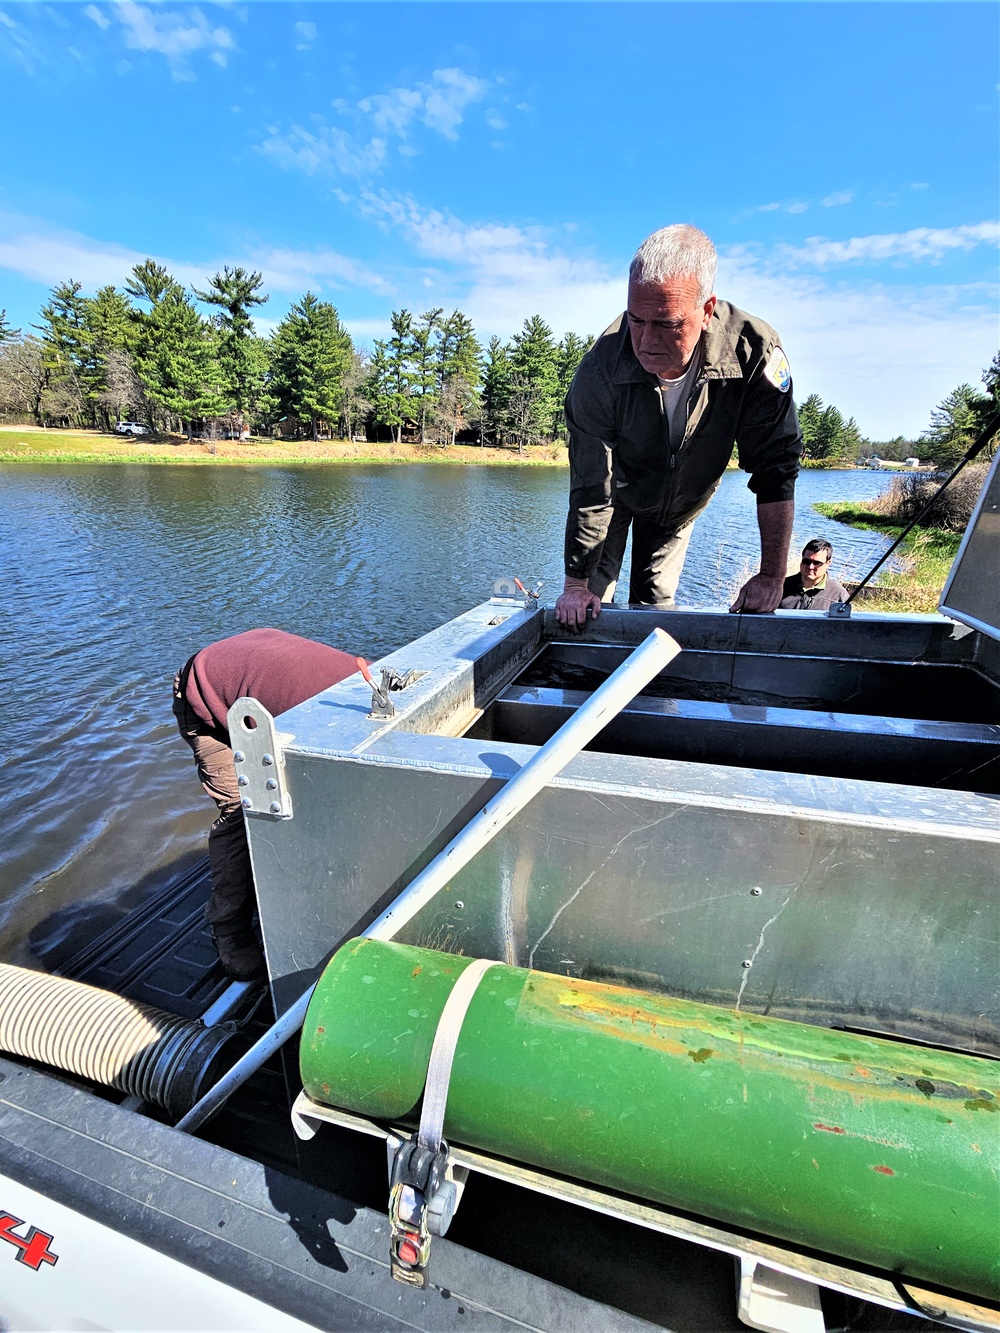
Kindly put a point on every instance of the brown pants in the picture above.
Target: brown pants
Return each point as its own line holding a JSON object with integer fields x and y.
{"x": 232, "y": 901}
{"x": 657, "y": 560}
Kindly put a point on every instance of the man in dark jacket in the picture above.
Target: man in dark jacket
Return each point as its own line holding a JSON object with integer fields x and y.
{"x": 279, "y": 670}
{"x": 812, "y": 589}
{"x": 653, "y": 413}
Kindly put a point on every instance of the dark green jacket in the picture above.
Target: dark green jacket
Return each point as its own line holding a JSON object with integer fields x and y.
{"x": 619, "y": 451}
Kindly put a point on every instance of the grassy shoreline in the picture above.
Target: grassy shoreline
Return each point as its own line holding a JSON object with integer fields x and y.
{"x": 19, "y": 444}
{"x": 926, "y": 554}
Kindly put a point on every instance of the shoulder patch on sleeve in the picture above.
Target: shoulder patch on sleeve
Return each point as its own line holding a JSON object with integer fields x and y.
{"x": 778, "y": 370}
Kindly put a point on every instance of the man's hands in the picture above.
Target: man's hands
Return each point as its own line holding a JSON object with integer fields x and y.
{"x": 575, "y": 602}
{"x": 759, "y": 595}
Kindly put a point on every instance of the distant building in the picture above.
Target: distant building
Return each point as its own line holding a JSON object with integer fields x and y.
{"x": 912, "y": 462}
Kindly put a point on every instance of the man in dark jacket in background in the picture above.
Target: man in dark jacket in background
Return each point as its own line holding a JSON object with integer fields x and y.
{"x": 279, "y": 670}
{"x": 653, "y": 413}
{"x": 812, "y": 589}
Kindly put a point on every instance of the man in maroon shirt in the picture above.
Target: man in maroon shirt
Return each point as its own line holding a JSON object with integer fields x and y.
{"x": 279, "y": 670}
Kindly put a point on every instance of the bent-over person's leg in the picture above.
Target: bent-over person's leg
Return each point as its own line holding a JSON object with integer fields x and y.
{"x": 232, "y": 901}
{"x": 604, "y": 579}
{"x": 657, "y": 563}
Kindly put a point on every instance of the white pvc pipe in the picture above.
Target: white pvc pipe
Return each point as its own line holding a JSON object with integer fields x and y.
{"x": 638, "y": 669}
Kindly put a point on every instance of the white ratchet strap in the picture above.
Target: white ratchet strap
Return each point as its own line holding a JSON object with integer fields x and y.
{"x": 443, "y": 1053}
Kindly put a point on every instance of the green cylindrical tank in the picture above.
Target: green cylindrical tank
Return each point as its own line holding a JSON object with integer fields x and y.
{"x": 875, "y": 1150}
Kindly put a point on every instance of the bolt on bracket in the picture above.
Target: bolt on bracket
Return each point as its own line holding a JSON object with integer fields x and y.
{"x": 259, "y": 761}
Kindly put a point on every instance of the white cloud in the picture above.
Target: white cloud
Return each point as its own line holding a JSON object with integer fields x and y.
{"x": 837, "y": 199}
{"x": 439, "y": 104}
{"x": 325, "y": 151}
{"x": 95, "y": 15}
{"x": 505, "y": 272}
{"x": 798, "y": 208}
{"x": 361, "y": 153}
{"x": 921, "y": 243}
{"x": 768, "y": 208}
{"x": 43, "y": 254}
{"x": 495, "y": 121}
{"x": 883, "y": 354}
{"x": 306, "y": 33}
{"x": 20, "y": 45}
{"x": 173, "y": 34}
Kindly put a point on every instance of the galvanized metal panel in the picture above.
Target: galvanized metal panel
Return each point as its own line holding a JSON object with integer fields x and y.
{"x": 863, "y": 904}
{"x": 970, "y": 593}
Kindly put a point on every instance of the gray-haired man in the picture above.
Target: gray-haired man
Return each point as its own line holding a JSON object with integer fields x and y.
{"x": 653, "y": 413}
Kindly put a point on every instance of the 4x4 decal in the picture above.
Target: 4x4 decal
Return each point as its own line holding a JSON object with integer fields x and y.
{"x": 32, "y": 1248}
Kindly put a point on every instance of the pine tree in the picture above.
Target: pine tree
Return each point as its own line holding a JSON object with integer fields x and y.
{"x": 458, "y": 365}
{"x": 955, "y": 423}
{"x": 831, "y": 426}
{"x": 988, "y": 406}
{"x": 7, "y": 334}
{"x": 65, "y": 356}
{"x": 310, "y": 354}
{"x": 534, "y": 382}
{"x": 234, "y": 292}
{"x": 809, "y": 413}
{"x": 110, "y": 386}
{"x": 570, "y": 353}
{"x": 392, "y": 376}
{"x": 151, "y": 284}
{"x": 424, "y": 374}
{"x": 495, "y": 420}
{"x": 181, "y": 372}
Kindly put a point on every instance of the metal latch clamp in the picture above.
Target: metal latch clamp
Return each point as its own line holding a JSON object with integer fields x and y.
{"x": 424, "y": 1185}
{"x": 382, "y": 705}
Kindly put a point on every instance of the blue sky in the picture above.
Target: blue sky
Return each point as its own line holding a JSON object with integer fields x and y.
{"x": 507, "y": 159}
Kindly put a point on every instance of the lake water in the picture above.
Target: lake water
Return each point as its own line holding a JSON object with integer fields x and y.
{"x": 113, "y": 576}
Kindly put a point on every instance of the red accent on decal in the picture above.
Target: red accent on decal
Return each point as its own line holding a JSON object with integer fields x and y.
{"x": 32, "y": 1248}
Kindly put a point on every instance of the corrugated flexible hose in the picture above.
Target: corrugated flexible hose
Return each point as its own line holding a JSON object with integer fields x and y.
{"x": 103, "y": 1037}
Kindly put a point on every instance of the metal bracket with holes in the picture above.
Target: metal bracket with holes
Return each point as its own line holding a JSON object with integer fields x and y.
{"x": 260, "y": 764}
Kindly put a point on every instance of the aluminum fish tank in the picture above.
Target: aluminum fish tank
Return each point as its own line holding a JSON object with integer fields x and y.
{"x": 798, "y": 818}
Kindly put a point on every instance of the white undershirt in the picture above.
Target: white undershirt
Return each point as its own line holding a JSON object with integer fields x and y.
{"x": 675, "y": 395}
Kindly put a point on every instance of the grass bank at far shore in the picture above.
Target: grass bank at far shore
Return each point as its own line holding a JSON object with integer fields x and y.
{"x": 29, "y": 444}
{"x": 926, "y": 556}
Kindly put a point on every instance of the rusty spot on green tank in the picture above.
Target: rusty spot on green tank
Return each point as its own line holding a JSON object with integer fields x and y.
{"x": 925, "y": 1086}
{"x": 319, "y": 1030}
{"x": 699, "y": 1057}
{"x": 829, "y": 1129}
{"x": 884, "y": 1170}
{"x": 981, "y": 1104}
{"x": 416, "y": 971}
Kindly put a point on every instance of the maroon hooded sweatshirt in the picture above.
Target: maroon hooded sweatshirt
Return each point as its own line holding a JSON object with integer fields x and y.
{"x": 277, "y": 669}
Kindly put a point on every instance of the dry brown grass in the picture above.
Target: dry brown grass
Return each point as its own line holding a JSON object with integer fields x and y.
{"x": 30, "y": 444}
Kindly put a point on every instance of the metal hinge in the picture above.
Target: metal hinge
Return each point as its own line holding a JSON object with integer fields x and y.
{"x": 260, "y": 763}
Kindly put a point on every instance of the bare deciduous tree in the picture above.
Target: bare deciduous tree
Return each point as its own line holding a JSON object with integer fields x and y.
{"x": 22, "y": 377}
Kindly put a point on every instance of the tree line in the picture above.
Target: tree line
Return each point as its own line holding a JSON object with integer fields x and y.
{"x": 146, "y": 353}
{"x": 954, "y": 424}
